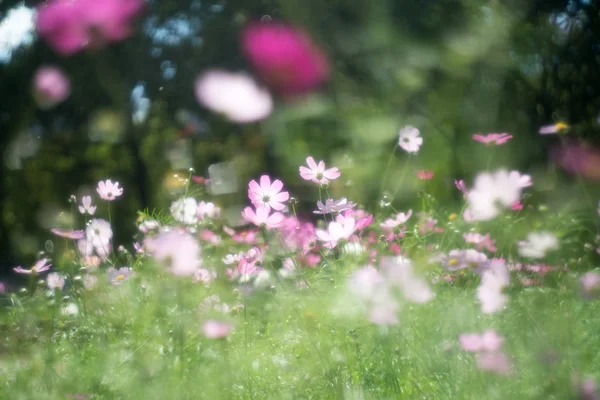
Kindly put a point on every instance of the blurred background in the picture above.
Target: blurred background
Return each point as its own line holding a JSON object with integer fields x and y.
{"x": 452, "y": 68}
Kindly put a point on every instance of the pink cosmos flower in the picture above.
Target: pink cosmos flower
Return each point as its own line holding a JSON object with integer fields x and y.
{"x": 340, "y": 229}
{"x": 107, "y": 190}
{"x": 235, "y": 95}
{"x": 177, "y": 250}
{"x": 50, "y": 87}
{"x": 493, "y": 282}
{"x": 200, "y": 180}
{"x": 285, "y": 57}
{"x": 460, "y": 185}
{"x": 400, "y": 218}
{"x": 474, "y": 342}
{"x": 209, "y": 236}
{"x": 492, "y": 138}
{"x": 98, "y": 235}
{"x": 332, "y": 206}
{"x": 204, "y": 276}
{"x": 214, "y": 329}
{"x": 40, "y": 265}
{"x": 554, "y": 128}
{"x": 68, "y": 233}
{"x": 523, "y": 180}
{"x": 118, "y": 276}
{"x": 55, "y": 281}
{"x": 409, "y": 139}
{"x": 86, "y": 206}
{"x": 425, "y": 174}
{"x": 480, "y": 240}
{"x": 267, "y": 194}
{"x": 208, "y": 210}
{"x": 70, "y": 26}
{"x": 516, "y": 206}
{"x": 317, "y": 172}
{"x": 496, "y": 362}
{"x": 261, "y": 217}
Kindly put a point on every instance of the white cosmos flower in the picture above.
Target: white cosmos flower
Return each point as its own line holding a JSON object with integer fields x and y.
{"x": 537, "y": 244}
{"x": 491, "y": 193}
{"x": 409, "y": 139}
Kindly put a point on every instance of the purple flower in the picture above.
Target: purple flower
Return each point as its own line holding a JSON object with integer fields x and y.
{"x": 68, "y": 233}
{"x": 495, "y": 362}
{"x": 70, "y": 26}
{"x": 40, "y": 265}
{"x": 284, "y": 57}
{"x": 50, "y": 87}
{"x": 117, "y": 276}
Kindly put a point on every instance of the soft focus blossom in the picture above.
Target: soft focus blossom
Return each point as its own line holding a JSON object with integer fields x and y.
{"x": 537, "y": 244}
{"x": 207, "y": 210}
{"x": 398, "y": 219}
{"x": 577, "y": 158}
{"x": 463, "y": 259}
{"x": 50, "y": 87}
{"x": 55, "y": 281}
{"x": 89, "y": 281}
{"x": 496, "y": 362}
{"x": 493, "y": 282}
{"x": 590, "y": 284}
{"x": 332, "y": 206}
{"x": 86, "y": 206}
{"x": 40, "y": 265}
{"x": 68, "y": 233}
{"x": 492, "y": 138}
{"x": 118, "y": 276}
{"x": 474, "y": 342}
{"x": 516, "y": 206}
{"x": 262, "y": 217}
{"x": 232, "y": 258}
{"x": 318, "y": 173}
{"x": 214, "y": 329}
{"x": 480, "y": 240}
{"x": 98, "y": 234}
{"x": 425, "y": 174}
{"x": 284, "y": 57}
{"x": 399, "y": 271}
{"x": 460, "y": 185}
{"x": 235, "y": 95}
{"x": 148, "y": 225}
{"x": 267, "y": 194}
{"x": 107, "y": 190}
{"x": 177, "y": 251}
{"x": 373, "y": 291}
{"x": 523, "y": 180}
{"x": 340, "y": 229}
{"x": 491, "y": 192}
{"x": 409, "y": 139}
{"x": 185, "y": 210}
{"x": 70, "y": 26}
{"x": 205, "y": 276}
{"x": 554, "y": 128}
{"x": 586, "y": 388}
{"x": 2, "y": 288}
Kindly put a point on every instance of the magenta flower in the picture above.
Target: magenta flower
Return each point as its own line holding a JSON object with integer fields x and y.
{"x": 40, "y": 265}
{"x": 285, "y": 57}
{"x": 516, "y": 206}
{"x": 86, "y": 206}
{"x": 261, "y": 217}
{"x": 409, "y": 139}
{"x": 68, "y": 233}
{"x": 214, "y": 329}
{"x": 492, "y": 138}
{"x": 425, "y": 174}
{"x": 317, "y": 172}
{"x": 50, "y": 87}
{"x": 474, "y": 342}
{"x": 107, "y": 190}
{"x": 460, "y": 185}
{"x": 70, "y": 26}
{"x": 267, "y": 194}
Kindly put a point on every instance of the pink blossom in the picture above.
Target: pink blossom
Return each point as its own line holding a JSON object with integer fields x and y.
{"x": 496, "y": 362}
{"x": 200, "y": 180}
{"x": 317, "y": 172}
{"x": 205, "y": 276}
{"x": 267, "y": 194}
{"x": 209, "y": 236}
{"x": 2, "y": 288}
{"x": 409, "y": 139}
{"x": 460, "y": 185}
{"x": 400, "y": 218}
{"x": 98, "y": 235}
{"x": 235, "y": 95}
{"x": 40, "y": 266}
{"x": 214, "y": 329}
{"x": 516, "y": 206}
{"x": 207, "y": 210}
{"x": 285, "y": 57}
{"x": 176, "y": 250}
{"x": 70, "y": 26}
{"x": 493, "y": 282}
{"x": 107, "y": 190}
{"x": 590, "y": 284}
{"x": 86, "y": 206}
{"x": 384, "y": 313}
{"x": 554, "y": 128}
{"x": 480, "y": 240}
{"x": 68, "y": 233}
{"x": 50, "y": 87}
{"x": 425, "y": 174}
{"x": 261, "y": 217}
{"x": 399, "y": 272}
{"x": 55, "y": 281}
{"x": 340, "y": 229}
{"x": 474, "y": 342}
{"x": 492, "y": 138}
{"x": 332, "y": 206}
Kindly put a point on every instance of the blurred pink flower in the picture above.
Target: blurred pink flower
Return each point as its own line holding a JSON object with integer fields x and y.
{"x": 496, "y": 362}
{"x": 491, "y": 192}
{"x": 177, "y": 250}
{"x": 40, "y": 265}
{"x": 516, "y": 206}
{"x": 285, "y": 57}
{"x": 578, "y": 158}
{"x": 480, "y": 240}
{"x": 267, "y": 194}
{"x": 590, "y": 284}
{"x": 399, "y": 219}
{"x": 332, "y": 206}
{"x": 261, "y": 217}
{"x": 235, "y": 95}
{"x": 214, "y": 329}
{"x": 86, "y": 206}
{"x": 50, "y": 87}
{"x": 399, "y": 272}
{"x": 425, "y": 174}
{"x": 317, "y": 172}
{"x": 523, "y": 180}
{"x": 340, "y": 229}
{"x": 70, "y": 26}
{"x": 492, "y": 138}
{"x": 493, "y": 282}
{"x": 118, "y": 276}
{"x": 460, "y": 185}
{"x": 55, "y": 281}
{"x": 409, "y": 139}
{"x": 474, "y": 342}
{"x": 208, "y": 210}
{"x": 68, "y": 233}
{"x": 107, "y": 190}
{"x": 98, "y": 235}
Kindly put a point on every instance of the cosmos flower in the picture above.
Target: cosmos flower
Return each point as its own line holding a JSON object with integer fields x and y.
{"x": 553, "y": 128}
{"x": 409, "y": 139}
{"x": 492, "y": 138}
{"x": 177, "y": 251}
{"x": 40, "y": 265}
{"x": 235, "y": 95}
{"x": 590, "y": 284}
{"x": 399, "y": 272}
{"x": 50, "y": 87}
{"x": 425, "y": 174}
{"x": 107, "y": 190}
{"x": 284, "y": 57}
{"x": 493, "y": 282}
{"x": 491, "y": 192}
{"x": 262, "y": 217}
{"x": 537, "y": 244}
{"x": 318, "y": 173}
{"x": 208, "y": 210}
{"x": 475, "y": 342}
{"x": 98, "y": 234}
{"x": 340, "y": 229}
{"x": 400, "y": 218}
{"x": 68, "y": 233}
{"x": 185, "y": 210}
{"x": 332, "y": 206}
{"x": 267, "y": 194}
{"x": 86, "y": 206}
{"x": 55, "y": 281}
